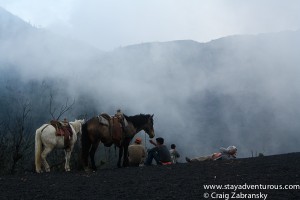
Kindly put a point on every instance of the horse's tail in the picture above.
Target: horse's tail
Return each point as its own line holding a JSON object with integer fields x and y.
{"x": 38, "y": 150}
{"x": 85, "y": 145}
{"x": 84, "y": 134}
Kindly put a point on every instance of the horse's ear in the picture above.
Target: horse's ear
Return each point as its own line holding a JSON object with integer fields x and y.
{"x": 152, "y": 116}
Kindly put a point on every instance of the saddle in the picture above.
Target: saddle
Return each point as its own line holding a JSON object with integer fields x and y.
{"x": 115, "y": 126}
{"x": 63, "y": 129}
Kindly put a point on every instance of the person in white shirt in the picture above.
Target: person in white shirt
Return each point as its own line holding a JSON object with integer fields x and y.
{"x": 174, "y": 154}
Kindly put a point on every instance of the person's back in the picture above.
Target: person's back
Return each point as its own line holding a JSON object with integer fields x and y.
{"x": 174, "y": 154}
{"x": 164, "y": 154}
{"x": 136, "y": 153}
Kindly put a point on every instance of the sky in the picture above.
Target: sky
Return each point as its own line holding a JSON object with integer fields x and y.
{"x": 110, "y": 24}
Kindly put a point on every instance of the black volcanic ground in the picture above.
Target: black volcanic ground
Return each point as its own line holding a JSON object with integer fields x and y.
{"x": 180, "y": 181}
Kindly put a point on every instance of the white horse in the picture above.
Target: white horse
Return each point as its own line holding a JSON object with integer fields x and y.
{"x": 46, "y": 140}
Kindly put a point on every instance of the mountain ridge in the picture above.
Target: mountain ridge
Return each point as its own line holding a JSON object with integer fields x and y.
{"x": 238, "y": 90}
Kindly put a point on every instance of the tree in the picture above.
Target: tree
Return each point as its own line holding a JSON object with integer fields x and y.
{"x": 16, "y": 143}
{"x": 21, "y": 140}
{"x": 59, "y": 109}
{"x": 4, "y": 149}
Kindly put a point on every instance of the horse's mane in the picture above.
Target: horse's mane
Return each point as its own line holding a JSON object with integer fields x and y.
{"x": 138, "y": 120}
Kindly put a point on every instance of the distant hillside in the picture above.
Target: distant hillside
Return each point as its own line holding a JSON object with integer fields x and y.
{"x": 11, "y": 26}
{"x": 240, "y": 90}
{"x": 34, "y": 49}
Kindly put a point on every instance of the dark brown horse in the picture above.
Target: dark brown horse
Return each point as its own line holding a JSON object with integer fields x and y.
{"x": 101, "y": 129}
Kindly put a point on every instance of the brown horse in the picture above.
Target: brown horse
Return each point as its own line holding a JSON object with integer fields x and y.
{"x": 100, "y": 129}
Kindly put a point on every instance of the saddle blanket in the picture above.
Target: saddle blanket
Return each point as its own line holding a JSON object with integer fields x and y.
{"x": 115, "y": 127}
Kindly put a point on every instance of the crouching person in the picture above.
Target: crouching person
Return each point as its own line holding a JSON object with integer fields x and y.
{"x": 159, "y": 153}
{"x": 224, "y": 154}
{"x": 136, "y": 153}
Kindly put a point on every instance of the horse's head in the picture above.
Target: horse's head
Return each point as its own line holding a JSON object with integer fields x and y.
{"x": 148, "y": 127}
{"x": 141, "y": 122}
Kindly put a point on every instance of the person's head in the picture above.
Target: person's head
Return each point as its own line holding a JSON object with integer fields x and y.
{"x": 232, "y": 150}
{"x": 160, "y": 140}
{"x": 138, "y": 141}
{"x": 173, "y": 146}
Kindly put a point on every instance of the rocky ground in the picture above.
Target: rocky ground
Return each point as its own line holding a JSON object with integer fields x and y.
{"x": 180, "y": 181}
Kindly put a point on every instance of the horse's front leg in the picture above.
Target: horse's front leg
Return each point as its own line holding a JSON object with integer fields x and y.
{"x": 125, "y": 159}
{"x": 92, "y": 155}
{"x": 120, "y": 156}
{"x": 125, "y": 146}
{"x": 67, "y": 158}
{"x": 86, "y": 145}
{"x": 44, "y": 154}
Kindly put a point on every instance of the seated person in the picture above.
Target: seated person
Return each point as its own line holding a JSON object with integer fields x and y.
{"x": 224, "y": 154}
{"x": 160, "y": 153}
{"x": 136, "y": 153}
{"x": 174, "y": 154}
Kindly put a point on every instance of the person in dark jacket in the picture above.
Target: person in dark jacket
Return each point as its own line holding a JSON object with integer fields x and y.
{"x": 159, "y": 153}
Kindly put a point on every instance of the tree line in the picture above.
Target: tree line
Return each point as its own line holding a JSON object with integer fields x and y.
{"x": 25, "y": 106}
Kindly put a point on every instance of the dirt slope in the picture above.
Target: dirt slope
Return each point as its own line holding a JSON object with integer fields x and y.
{"x": 181, "y": 181}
